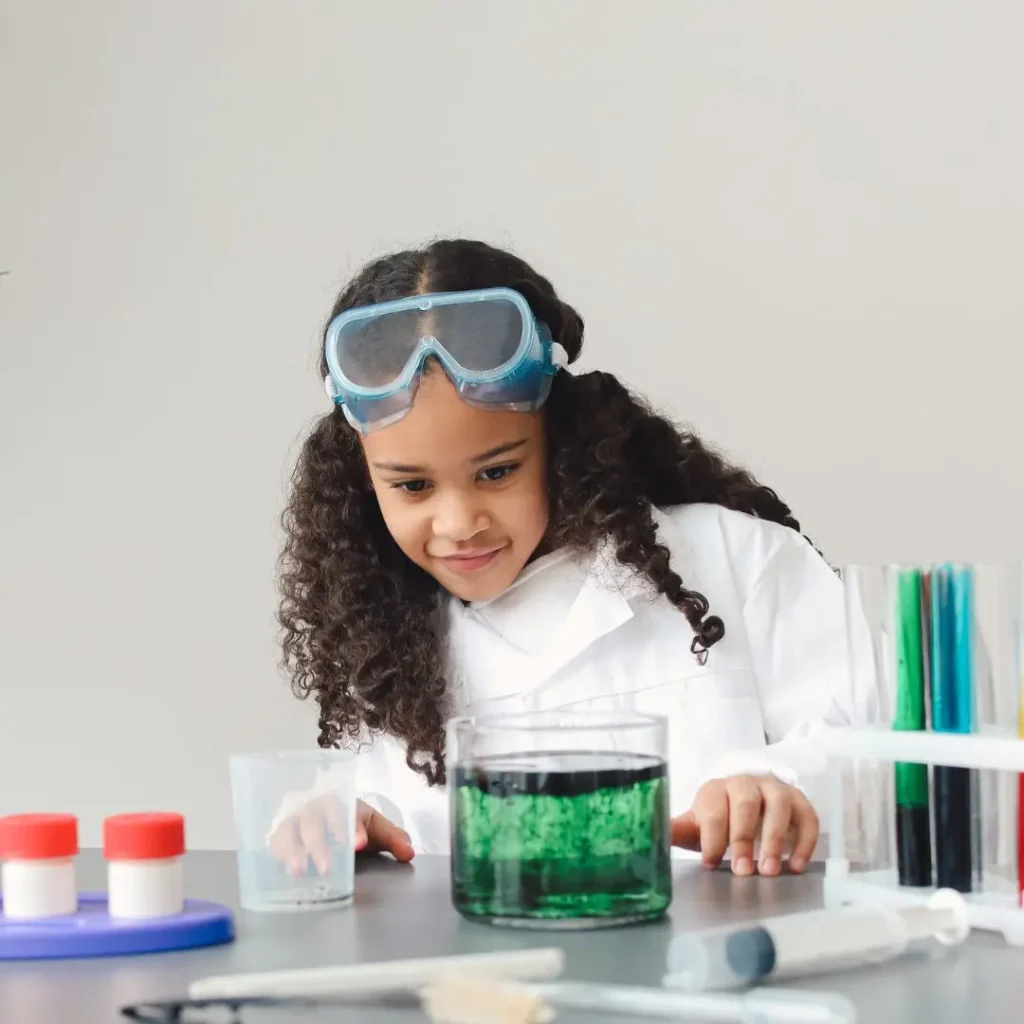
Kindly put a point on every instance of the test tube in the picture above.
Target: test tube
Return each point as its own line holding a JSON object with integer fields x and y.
{"x": 808, "y": 943}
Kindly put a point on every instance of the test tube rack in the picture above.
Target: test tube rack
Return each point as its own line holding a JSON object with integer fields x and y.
{"x": 1001, "y": 751}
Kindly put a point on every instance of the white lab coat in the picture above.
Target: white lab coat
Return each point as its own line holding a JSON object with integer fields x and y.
{"x": 592, "y": 635}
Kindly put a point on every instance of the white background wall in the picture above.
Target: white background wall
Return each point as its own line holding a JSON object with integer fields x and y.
{"x": 799, "y": 226}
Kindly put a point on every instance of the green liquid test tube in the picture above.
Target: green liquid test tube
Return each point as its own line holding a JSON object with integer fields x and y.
{"x": 913, "y": 832}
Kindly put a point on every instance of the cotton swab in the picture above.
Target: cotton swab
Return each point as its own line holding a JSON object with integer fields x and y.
{"x": 479, "y": 1000}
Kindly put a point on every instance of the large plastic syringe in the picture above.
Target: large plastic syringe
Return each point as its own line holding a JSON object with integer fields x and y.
{"x": 809, "y": 943}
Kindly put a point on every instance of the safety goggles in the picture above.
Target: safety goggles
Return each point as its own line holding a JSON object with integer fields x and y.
{"x": 488, "y": 342}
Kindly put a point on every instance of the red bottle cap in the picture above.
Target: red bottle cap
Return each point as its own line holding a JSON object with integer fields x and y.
{"x": 38, "y": 836}
{"x": 143, "y": 836}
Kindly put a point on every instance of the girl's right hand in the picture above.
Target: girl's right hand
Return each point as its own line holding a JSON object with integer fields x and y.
{"x": 375, "y": 834}
{"x": 304, "y": 835}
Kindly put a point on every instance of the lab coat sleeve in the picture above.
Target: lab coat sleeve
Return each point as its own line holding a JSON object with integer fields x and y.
{"x": 383, "y": 778}
{"x": 795, "y": 617}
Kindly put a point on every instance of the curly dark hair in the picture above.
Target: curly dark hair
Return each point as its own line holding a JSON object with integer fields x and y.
{"x": 362, "y": 626}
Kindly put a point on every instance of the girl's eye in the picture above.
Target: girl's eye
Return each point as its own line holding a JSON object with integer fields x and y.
{"x": 411, "y": 486}
{"x": 493, "y": 474}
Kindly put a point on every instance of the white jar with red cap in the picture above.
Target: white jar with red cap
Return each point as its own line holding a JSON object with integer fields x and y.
{"x": 144, "y": 864}
{"x": 38, "y": 877}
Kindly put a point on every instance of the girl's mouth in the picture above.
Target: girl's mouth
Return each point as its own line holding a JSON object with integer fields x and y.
{"x": 472, "y": 562}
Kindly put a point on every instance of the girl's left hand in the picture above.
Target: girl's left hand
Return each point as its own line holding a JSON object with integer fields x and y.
{"x": 727, "y": 814}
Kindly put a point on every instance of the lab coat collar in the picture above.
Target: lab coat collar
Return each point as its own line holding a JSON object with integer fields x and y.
{"x": 602, "y": 605}
{"x": 598, "y": 610}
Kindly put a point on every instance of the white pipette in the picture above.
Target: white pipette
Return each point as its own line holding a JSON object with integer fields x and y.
{"x": 366, "y": 980}
{"x": 821, "y": 940}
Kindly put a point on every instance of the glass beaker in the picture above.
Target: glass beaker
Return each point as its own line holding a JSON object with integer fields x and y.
{"x": 295, "y": 817}
{"x": 560, "y": 819}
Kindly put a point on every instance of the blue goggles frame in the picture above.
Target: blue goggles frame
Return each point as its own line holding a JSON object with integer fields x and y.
{"x": 519, "y": 382}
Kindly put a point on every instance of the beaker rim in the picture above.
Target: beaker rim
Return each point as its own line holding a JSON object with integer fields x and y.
{"x": 567, "y": 720}
{"x": 302, "y": 754}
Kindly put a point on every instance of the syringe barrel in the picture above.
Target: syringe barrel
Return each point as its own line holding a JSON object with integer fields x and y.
{"x": 793, "y": 944}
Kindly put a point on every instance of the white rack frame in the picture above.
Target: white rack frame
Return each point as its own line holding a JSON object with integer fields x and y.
{"x": 996, "y": 751}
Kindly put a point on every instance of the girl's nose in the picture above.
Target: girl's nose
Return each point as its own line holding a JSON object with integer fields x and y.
{"x": 458, "y": 519}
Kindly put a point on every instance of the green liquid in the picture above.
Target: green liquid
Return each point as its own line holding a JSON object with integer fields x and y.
{"x": 564, "y": 840}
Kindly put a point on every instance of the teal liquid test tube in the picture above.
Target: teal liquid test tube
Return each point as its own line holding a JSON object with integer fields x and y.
{"x": 965, "y": 605}
{"x": 952, "y": 697}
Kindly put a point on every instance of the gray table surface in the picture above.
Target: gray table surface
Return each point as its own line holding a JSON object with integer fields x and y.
{"x": 404, "y": 911}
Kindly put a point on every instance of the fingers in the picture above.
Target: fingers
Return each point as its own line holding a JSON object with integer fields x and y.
{"x": 313, "y": 833}
{"x": 333, "y": 813}
{"x": 363, "y": 814}
{"x": 686, "y": 832}
{"x": 778, "y": 808}
{"x": 806, "y": 829}
{"x": 711, "y": 811}
{"x": 383, "y": 836}
{"x": 312, "y": 830}
{"x": 731, "y": 814}
{"x": 745, "y": 800}
{"x": 286, "y": 846}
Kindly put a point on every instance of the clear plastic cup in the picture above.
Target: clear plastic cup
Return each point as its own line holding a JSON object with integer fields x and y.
{"x": 295, "y": 815}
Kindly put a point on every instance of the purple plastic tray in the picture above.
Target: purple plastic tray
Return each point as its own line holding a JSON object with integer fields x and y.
{"x": 93, "y": 932}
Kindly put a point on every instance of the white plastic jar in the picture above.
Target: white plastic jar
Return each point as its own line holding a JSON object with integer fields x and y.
{"x": 38, "y": 875}
{"x": 144, "y": 866}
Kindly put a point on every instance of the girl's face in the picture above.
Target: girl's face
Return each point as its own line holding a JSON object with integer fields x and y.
{"x": 462, "y": 490}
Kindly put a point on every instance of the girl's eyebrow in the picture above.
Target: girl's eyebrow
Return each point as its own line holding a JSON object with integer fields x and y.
{"x": 491, "y": 453}
{"x": 501, "y": 449}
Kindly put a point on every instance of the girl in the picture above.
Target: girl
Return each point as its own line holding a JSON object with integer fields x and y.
{"x": 475, "y": 529}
